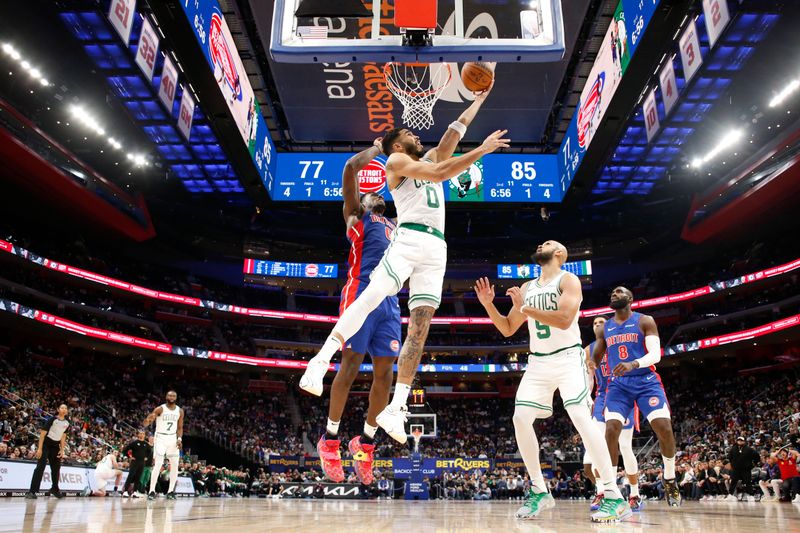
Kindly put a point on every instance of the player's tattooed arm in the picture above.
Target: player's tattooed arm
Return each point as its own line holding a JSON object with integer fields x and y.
{"x": 450, "y": 138}
{"x": 353, "y": 210}
{"x": 411, "y": 353}
{"x": 507, "y": 325}
{"x": 152, "y": 416}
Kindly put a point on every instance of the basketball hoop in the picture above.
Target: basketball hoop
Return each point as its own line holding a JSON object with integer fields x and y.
{"x": 418, "y": 86}
{"x": 416, "y": 433}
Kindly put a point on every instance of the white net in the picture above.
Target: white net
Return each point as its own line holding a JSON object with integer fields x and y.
{"x": 418, "y": 86}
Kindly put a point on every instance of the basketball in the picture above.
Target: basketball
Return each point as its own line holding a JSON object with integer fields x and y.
{"x": 477, "y": 77}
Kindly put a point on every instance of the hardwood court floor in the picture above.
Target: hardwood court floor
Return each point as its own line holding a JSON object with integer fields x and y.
{"x": 239, "y": 515}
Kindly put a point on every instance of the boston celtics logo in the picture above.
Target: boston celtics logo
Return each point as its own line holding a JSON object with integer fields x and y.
{"x": 467, "y": 186}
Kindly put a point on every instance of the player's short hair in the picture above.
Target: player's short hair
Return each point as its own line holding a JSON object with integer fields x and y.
{"x": 389, "y": 139}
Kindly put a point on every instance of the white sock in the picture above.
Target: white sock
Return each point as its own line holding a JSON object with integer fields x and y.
{"x": 329, "y": 349}
{"x": 598, "y": 483}
{"x": 528, "y": 446}
{"x": 173, "y": 474}
{"x": 401, "y": 391}
{"x": 595, "y": 442}
{"x": 634, "y": 490}
{"x": 370, "y": 431}
{"x": 158, "y": 460}
{"x": 669, "y": 467}
{"x": 333, "y": 427}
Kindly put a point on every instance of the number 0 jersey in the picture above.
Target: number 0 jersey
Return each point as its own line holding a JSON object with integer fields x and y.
{"x": 546, "y": 340}
{"x": 420, "y": 202}
{"x": 167, "y": 421}
{"x": 625, "y": 344}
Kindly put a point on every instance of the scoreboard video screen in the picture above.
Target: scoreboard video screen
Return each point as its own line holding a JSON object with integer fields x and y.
{"x": 530, "y": 271}
{"x": 261, "y": 267}
{"x": 523, "y": 178}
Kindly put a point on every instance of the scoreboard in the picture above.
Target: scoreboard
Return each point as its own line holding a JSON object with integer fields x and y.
{"x": 261, "y": 267}
{"x": 523, "y": 178}
{"x": 529, "y": 271}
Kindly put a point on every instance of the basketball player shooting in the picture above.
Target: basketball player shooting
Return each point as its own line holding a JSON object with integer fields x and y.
{"x": 169, "y": 433}
{"x": 369, "y": 233}
{"x": 601, "y": 375}
{"x": 550, "y": 305}
{"x": 417, "y": 253}
{"x": 631, "y": 341}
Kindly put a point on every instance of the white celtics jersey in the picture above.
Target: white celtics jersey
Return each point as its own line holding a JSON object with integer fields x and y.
{"x": 420, "y": 202}
{"x": 167, "y": 421}
{"x": 107, "y": 462}
{"x": 546, "y": 340}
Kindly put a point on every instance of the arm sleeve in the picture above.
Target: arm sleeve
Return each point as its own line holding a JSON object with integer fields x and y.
{"x": 48, "y": 423}
{"x": 653, "y": 355}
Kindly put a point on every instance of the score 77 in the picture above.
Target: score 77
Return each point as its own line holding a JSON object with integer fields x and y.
{"x": 328, "y": 269}
{"x": 307, "y": 164}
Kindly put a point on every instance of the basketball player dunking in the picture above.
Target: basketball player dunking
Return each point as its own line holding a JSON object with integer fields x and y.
{"x": 169, "y": 433}
{"x": 633, "y": 348}
{"x": 550, "y": 305}
{"x": 417, "y": 253}
{"x": 600, "y": 378}
{"x": 369, "y": 233}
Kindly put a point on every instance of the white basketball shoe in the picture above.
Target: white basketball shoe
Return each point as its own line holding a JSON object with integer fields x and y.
{"x": 393, "y": 421}
{"x": 311, "y": 382}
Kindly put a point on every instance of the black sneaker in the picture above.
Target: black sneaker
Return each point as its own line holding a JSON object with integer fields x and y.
{"x": 30, "y": 495}
{"x": 56, "y": 494}
{"x": 171, "y": 496}
{"x": 673, "y": 493}
{"x": 151, "y": 496}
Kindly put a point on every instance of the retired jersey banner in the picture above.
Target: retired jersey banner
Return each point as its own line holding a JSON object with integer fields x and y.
{"x": 650, "y": 110}
{"x": 717, "y": 17}
{"x": 669, "y": 89}
{"x": 186, "y": 114}
{"x": 121, "y": 13}
{"x": 168, "y": 84}
{"x": 691, "y": 57}
{"x": 147, "y": 50}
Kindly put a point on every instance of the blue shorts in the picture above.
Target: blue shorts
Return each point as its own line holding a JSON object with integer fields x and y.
{"x": 644, "y": 391}
{"x": 380, "y": 334}
{"x": 598, "y": 412}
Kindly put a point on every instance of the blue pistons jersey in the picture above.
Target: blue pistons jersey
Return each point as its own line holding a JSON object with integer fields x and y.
{"x": 625, "y": 344}
{"x": 380, "y": 334}
{"x": 641, "y": 387}
{"x": 602, "y": 375}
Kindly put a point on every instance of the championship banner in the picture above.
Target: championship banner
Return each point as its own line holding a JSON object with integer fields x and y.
{"x": 121, "y": 13}
{"x": 186, "y": 114}
{"x": 147, "y": 50}
{"x": 691, "y": 57}
{"x": 168, "y": 84}
{"x": 717, "y": 17}
{"x": 15, "y": 476}
{"x": 669, "y": 89}
{"x": 650, "y": 110}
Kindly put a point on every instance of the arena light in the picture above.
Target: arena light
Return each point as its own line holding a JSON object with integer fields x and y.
{"x": 9, "y": 49}
{"x": 730, "y": 138}
{"x": 138, "y": 159}
{"x": 784, "y": 93}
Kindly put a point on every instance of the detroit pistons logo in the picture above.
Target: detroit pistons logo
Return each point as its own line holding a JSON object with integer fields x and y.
{"x": 221, "y": 55}
{"x": 654, "y": 401}
{"x": 395, "y": 345}
{"x": 589, "y": 108}
{"x": 372, "y": 177}
{"x": 312, "y": 270}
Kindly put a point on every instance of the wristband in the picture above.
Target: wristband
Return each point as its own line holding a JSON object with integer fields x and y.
{"x": 459, "y": 128}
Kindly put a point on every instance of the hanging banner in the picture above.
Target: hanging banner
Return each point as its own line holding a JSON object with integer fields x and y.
{"x": 186, "y": 114}
{"x": 669, "y": 89}
{"x": 717, "y": 17}
{"x": 121, "y": 13}
{"x": 651, "y": 123}
{"x": 690, "y": 51}
{"x": 169, "y": 81}
{"x": 147, "y": 49}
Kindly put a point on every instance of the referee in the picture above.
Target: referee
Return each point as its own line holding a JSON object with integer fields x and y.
{"x": 138, "y": 450}
{"x": 52, "y": 438}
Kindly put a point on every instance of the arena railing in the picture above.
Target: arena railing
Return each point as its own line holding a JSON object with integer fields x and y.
{"x": 198, "y": 353}
{"x": 100, "y": 279}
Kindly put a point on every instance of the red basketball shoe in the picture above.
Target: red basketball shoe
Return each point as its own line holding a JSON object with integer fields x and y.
{"x": 330, "y": 459}
{"x": 363, "y": 457}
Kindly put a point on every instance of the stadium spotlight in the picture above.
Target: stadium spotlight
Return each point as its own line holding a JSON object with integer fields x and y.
{"x": 784, "y": 93}
{"x": 726, "y": 142}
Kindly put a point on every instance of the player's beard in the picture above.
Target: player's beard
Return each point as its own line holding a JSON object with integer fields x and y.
{"x": 620, "y": 303}
{"x": 542, "y": 258}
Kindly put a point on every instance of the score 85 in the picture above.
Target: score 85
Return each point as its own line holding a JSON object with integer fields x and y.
{"x": 525, "y": 170}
